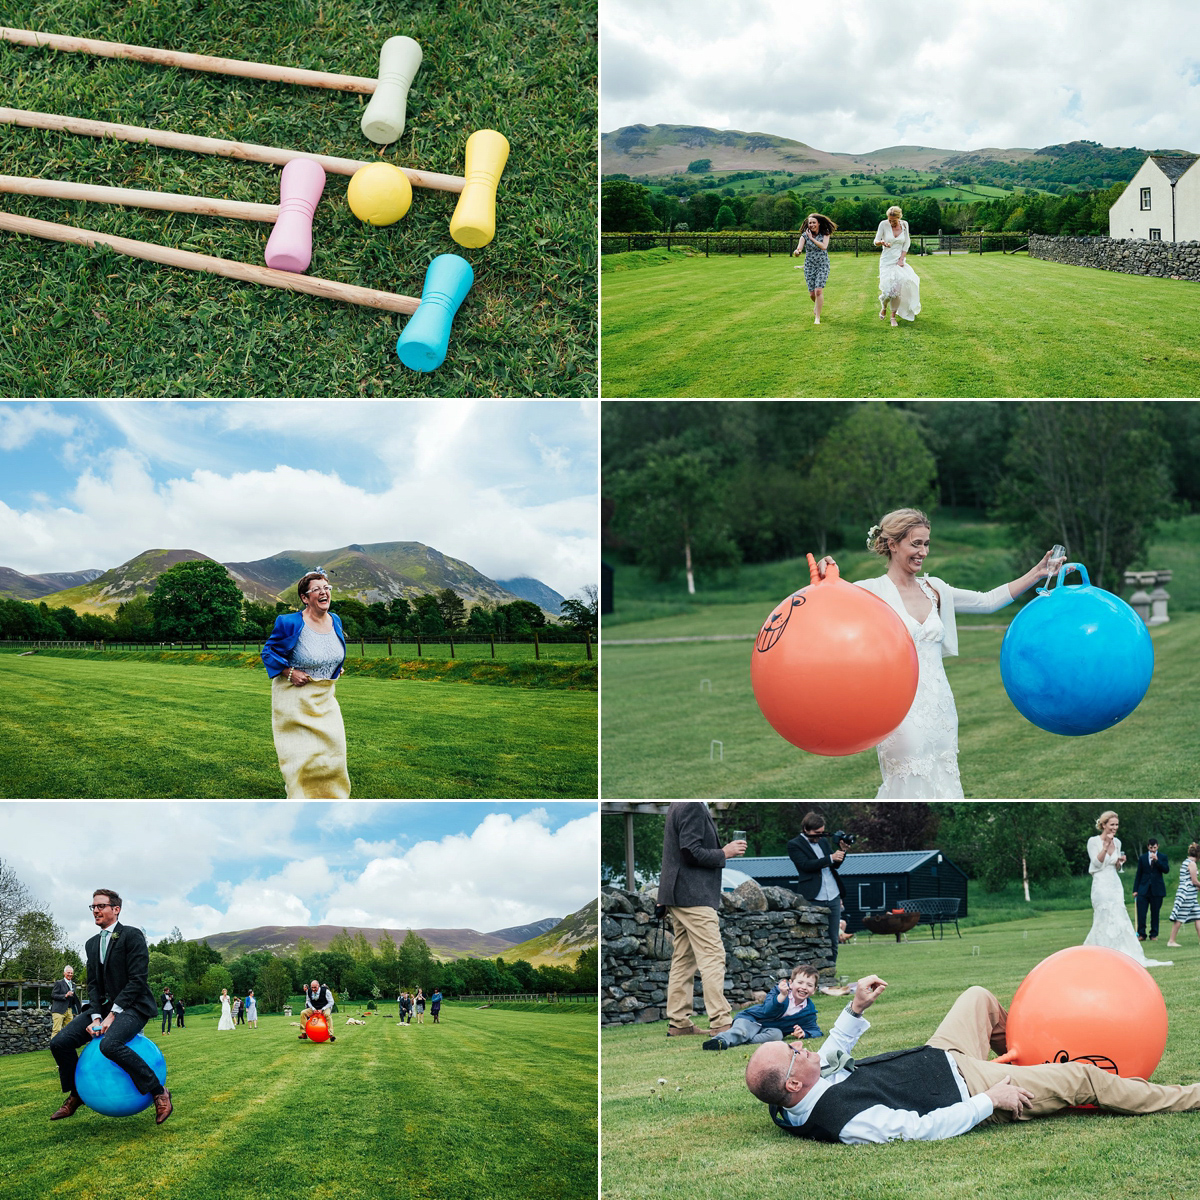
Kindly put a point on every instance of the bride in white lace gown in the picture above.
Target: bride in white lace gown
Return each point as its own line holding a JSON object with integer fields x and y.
{"x": 919, "y": 760}
{"x": 899, "y": 284}
{"x": 1111, "y": 925}
{"x": 226, "y": 1021}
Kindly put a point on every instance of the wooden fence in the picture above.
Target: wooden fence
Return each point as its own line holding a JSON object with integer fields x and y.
{"x": 771, "y": 244}
{"x": 535, "y": 998}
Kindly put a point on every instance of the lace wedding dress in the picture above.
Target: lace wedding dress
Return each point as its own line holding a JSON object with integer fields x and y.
{"x": 226, "y": 1021}
{"x": 1111, "y": 925}
{"x": 919, "y": 760}
{"x": 896, "y": 280}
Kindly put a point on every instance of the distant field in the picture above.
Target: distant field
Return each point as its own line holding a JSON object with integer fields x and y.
{"x": 990, "y": 325}
{"x": 78, "y": 727}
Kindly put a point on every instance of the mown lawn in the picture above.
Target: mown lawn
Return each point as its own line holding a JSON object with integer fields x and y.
{"x": 86, "y": 728}
{"x": 76, "y": 321}
{"x": 487, "y": 1103}
{"x": 990, "y": 325}
{"x": 678, "y": 1123}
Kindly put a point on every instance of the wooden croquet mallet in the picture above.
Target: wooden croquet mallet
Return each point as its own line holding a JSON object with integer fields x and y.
{"x": 474, "y": 221}
{"x": 399, "y": 61}
{"x": 289, "y": 247}
{"x": 194, "y": 62}
{"x": 248, "y": 272}
{"x": 203, "y": 145}
{"x": 423, "y": 344}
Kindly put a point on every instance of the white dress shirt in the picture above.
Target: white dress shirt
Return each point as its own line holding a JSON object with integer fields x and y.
{"x": 829, "y": 888}
{"x": 879, "y": 1123}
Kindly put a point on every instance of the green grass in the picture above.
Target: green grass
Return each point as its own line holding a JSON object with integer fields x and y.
{"x": 487, "y": 1104}
{"x": 990, "y": 325}
{"x": 702, "y": 1135}
{"x": 81, "y": 322}
{"x": 86, "y": 728}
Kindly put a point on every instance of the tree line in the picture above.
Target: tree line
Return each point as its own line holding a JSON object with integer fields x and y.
{"x": 703, "y": 487}
{"x": 995, "y": 843}
{"x": 627, "y": 207}
{"x": 199, "y": 600}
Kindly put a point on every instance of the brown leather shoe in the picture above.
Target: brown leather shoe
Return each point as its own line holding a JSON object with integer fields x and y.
{"x": 69, "y": 1107}
{"x": 163, "y": 1107}
{"x": 681, "y": 1030}
{"x": 720, "y": 1028}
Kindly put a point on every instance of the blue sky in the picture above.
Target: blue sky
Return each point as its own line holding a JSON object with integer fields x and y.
{"x": 217, "y": 867}
{"x": 508, "y": 486}
{"x": 859, "y": 76}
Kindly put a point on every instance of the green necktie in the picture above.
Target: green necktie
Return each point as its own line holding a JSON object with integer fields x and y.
{"x": 833, "y": 1061}
{"x": 103, "y": 946}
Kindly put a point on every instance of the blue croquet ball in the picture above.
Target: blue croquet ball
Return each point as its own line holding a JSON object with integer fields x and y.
{"x": 104, "y": 1086}
{"x": 1076, "y": 659}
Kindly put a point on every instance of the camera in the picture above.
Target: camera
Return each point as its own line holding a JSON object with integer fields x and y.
{"x": 843, "y": 838}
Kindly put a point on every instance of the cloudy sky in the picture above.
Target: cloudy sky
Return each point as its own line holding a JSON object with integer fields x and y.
{"x": 507, "y": 486}
{"x": 860, "y": 75}
{"x": 217, "y": 867}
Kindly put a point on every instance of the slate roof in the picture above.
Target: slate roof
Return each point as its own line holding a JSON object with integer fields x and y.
{"x": 894, "y": 862}
{"x": 1174, "y": 165}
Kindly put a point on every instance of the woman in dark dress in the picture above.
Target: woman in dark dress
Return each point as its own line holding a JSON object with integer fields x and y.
{"x": 814, "y": 245}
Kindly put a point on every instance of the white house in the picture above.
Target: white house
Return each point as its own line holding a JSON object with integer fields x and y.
{"x": 1161, "y": 203}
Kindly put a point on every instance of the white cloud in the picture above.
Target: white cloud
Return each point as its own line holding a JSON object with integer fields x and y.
{"x": 19, "y": 426}
{"x": 858, "y": 76}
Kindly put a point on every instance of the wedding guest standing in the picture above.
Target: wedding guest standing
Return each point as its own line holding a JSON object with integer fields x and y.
{"x": 1186, "y": 906}
{"x": 1149, "y": 888}
{"x": 814, "y": 245}
{"x": 63, "y": 1000}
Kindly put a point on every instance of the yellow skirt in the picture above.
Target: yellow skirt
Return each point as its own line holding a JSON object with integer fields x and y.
{"x": 310, "y": 739}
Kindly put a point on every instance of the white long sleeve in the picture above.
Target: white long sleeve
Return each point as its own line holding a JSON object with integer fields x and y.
{"x": 883, "y": 1124}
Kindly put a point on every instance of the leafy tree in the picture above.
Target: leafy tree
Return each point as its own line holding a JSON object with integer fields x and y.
{"x": 42, "y": 947}
{"x": 399, "y": 610}
{"x": 726, "y": 218}
{"x": 134, "y": 620}
{"x": 582, "y": 614}
{"x": 15, "y": 901}
{"x": 165, "y": 971}
{"x": 625, "y": 208}
{"x": 1005, "y": 841}
{"x": 587, "y": 970}
{"x": 700, "y": 166}
{"x": 415, "y": 961}
{"x": 196, "y": 599}
{"x": 647, "y": 847}
{"x": 453, "y": 611}
{"x": 273, "y": 986}
{"x": 387, "y": 968}
{"x": 1092, "y": 476}
{"x": 350, "y": 611}
{"x": 258, "y": 619}
{"x": 428, "y": 616}
{"x": 213, "y": 980}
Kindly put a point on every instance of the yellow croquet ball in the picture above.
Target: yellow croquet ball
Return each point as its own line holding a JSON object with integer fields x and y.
{"x": 379, "y": 193}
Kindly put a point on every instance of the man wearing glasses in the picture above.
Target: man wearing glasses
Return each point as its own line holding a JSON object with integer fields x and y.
{"x": 120, "y": 1003}
{"x": 935, "y": 1091}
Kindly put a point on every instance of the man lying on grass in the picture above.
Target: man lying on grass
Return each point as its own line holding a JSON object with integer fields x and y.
{"x": 788, "y": 1011}
{"x": 938, "y": 1090}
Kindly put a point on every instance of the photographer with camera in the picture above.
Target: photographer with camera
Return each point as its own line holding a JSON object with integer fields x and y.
{"x": 817, "y": 867}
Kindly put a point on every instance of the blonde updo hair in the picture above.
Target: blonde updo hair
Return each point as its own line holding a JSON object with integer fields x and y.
{"x": 894, "y": 209}
{"x": 893, "y": 527}
{"x": 1106, "y": 815}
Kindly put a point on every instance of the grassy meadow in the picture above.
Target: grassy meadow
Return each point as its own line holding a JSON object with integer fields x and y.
{"x": 486, "y": 1103}
{"x": 700, "y": 1134}
{"x": 88, "y": 726}
{"x": 76, "y": 321}
{"x": 990, "y": 325}
{"x": 660, "y": 717}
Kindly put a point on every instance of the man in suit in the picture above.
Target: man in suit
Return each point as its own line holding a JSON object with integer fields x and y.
{"x": 935, "y": 1091}
{"x": 63, "y": 1000}
{"x": 318, "y": 1002}
{"x": 120, "y": 1003}
{"x": 817, "y": 867}
{"x": 689, "y": 887}
{"x": 1149, "y": 888}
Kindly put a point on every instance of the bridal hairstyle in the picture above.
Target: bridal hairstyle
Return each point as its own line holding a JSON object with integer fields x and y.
{"x": 1106, "y": 815}
{"x": 824, "y": 225}
{"x": 894, "y": 527}
{"x": 895, "y": 209}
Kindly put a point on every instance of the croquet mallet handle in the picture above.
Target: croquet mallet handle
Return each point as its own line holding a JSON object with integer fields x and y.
{"x": 399, "y": 61}
{"x": 474, "y": 221}
{"x": 289, "y": 247}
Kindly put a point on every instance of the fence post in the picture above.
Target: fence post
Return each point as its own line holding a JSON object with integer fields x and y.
{"x": 493, "y": 645}
{"x": 452, "y": 647}
{"x": 389, "y": 647}
{"x": 536, "y": 651}
{"x": 587, "y": 640}
{"x": 706, "y": 241}
{"x": 362, "y": 646}
{"x": 418, "y": 646}
{"x": 768, "y": 245}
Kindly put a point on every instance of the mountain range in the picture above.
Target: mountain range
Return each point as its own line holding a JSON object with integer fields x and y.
{"x": 549, "y": 940}
{"x": 654, "y": 150}
{"x": 376, "y": 571}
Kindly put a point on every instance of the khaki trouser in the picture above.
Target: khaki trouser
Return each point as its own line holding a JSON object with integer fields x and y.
{"x": 698, "y": 947}
{"x": 58, "y": 1020}
{"x": 313, "y": 1012}
{"x": 977, "y": 1022}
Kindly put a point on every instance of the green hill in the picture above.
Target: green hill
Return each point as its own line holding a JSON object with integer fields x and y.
{"x": 564, "y": 942}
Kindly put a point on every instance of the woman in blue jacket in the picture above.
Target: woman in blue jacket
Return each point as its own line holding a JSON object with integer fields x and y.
{"x": 786, "y": 1012}
{"x": 303, "y": 656}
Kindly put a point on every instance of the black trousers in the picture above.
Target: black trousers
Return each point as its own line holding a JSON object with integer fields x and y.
{"x": 835, "y": 925}
{"x": 114, "y": 1045}
{"x": 1154, "y": 903}
{"x": 167, "y": 1017}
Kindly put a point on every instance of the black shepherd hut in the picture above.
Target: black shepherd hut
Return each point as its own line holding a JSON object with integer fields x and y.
{"x": 873, "y": 882}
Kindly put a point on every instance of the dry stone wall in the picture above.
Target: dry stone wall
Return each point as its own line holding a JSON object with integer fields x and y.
{"x": 1172, "y": 260}
{"x": 24, "y": 1029}
{"x": 766, "y": 932}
